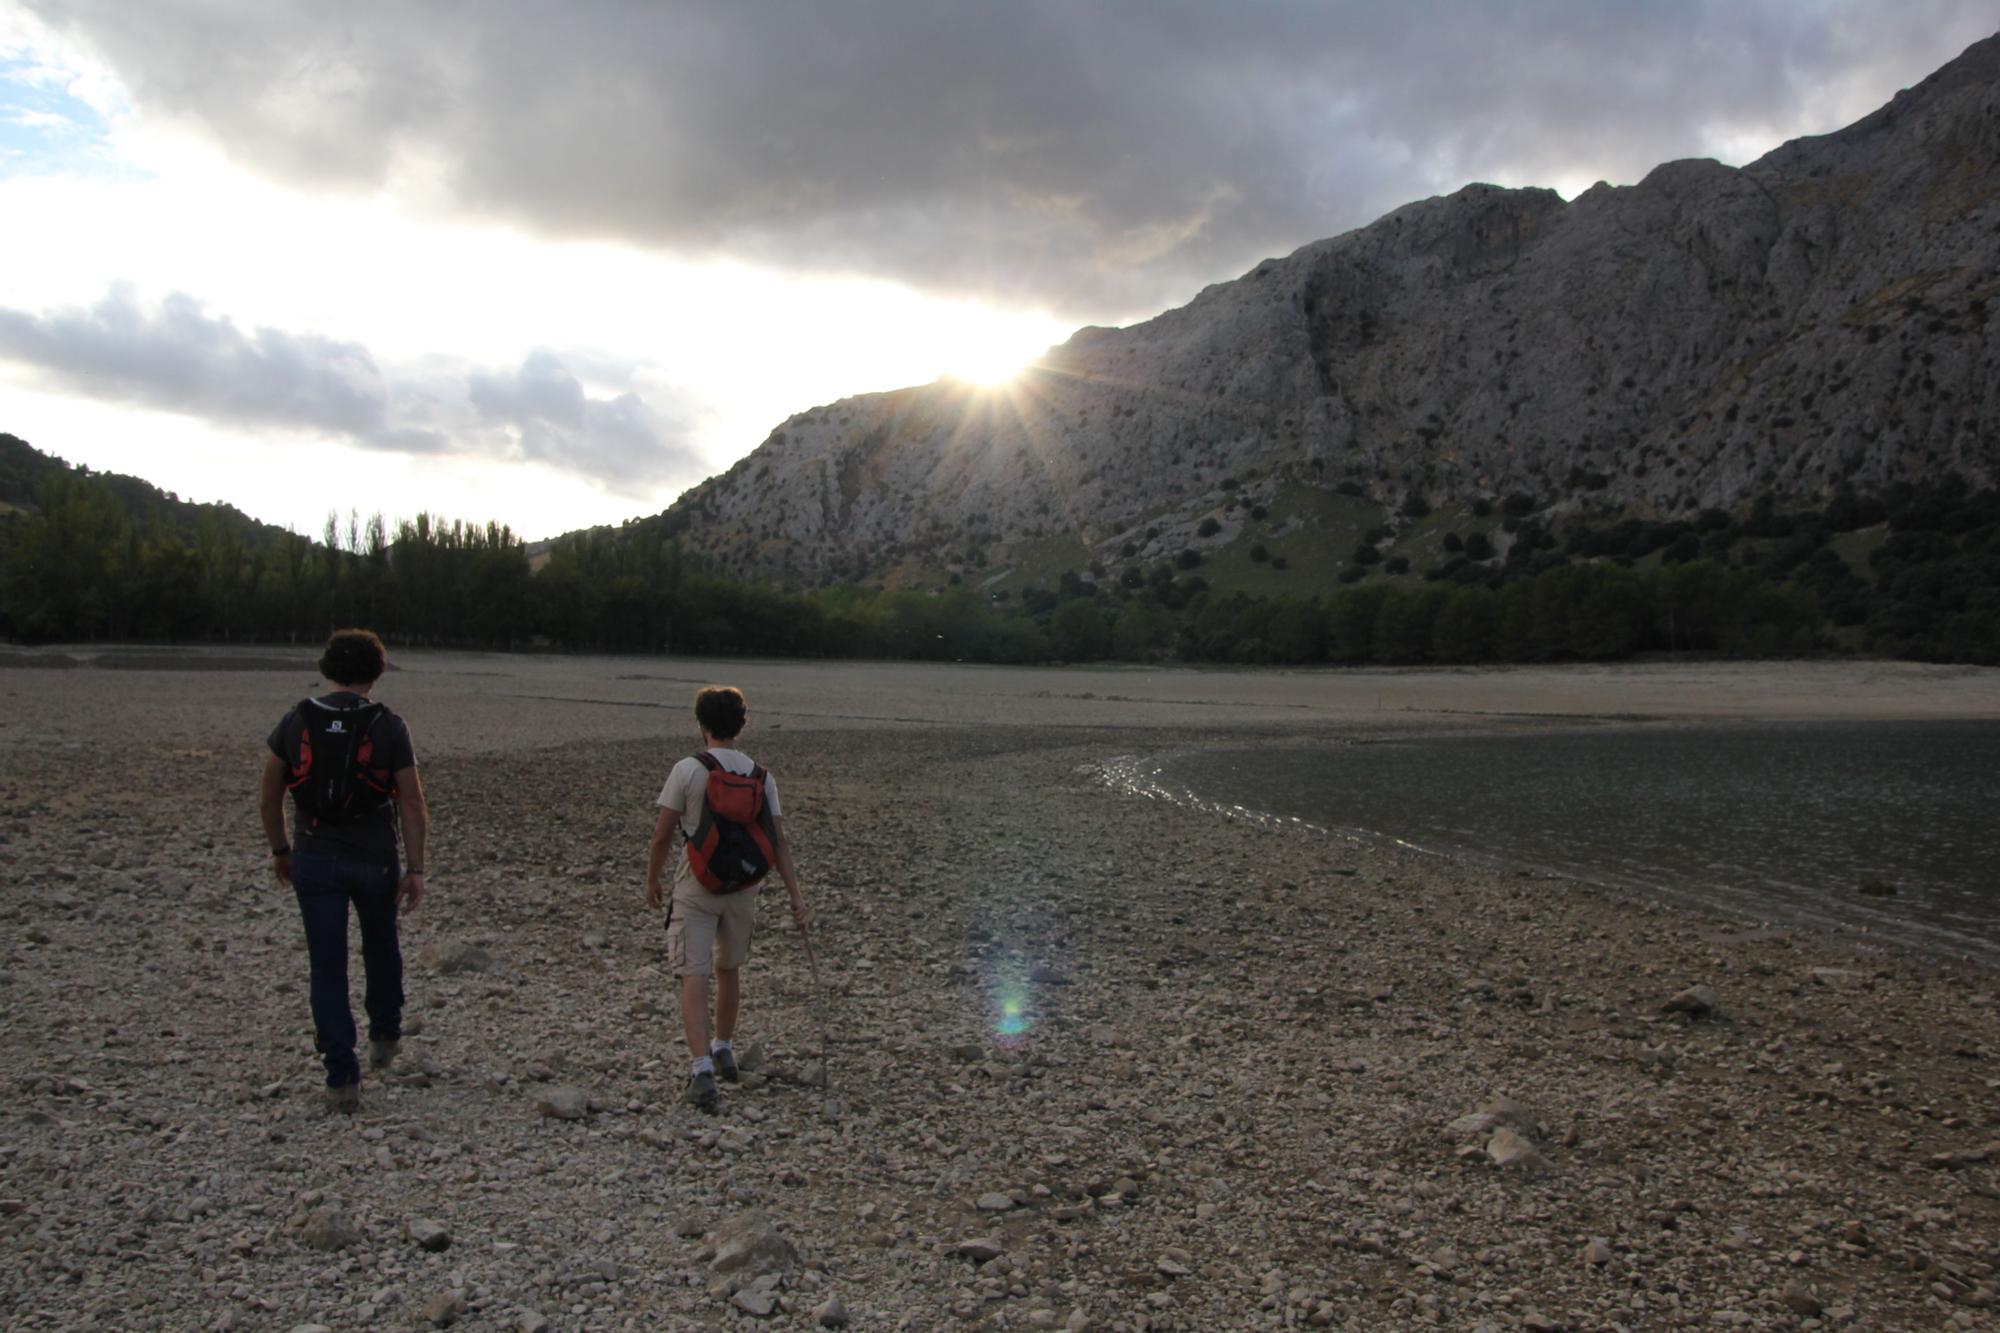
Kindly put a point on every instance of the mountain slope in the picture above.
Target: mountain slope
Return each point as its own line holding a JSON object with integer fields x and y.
{"x": 1695, "y": 340}
{"x": 25, "y": 470}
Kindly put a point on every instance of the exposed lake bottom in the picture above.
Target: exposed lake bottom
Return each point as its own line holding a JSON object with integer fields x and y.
{"x": 1779, "y": 822}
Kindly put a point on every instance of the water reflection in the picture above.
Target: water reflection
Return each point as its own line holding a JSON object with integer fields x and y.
{"x": 1778, "y": 821}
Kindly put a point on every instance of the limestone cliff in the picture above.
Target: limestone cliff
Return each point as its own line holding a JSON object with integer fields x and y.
{"x": 1706, "y": 335}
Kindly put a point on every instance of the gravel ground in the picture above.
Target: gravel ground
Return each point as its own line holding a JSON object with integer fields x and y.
{"x": 1091, "y": 1061}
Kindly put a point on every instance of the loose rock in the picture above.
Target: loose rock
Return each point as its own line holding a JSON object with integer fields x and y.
{"x": 1801, "y": 1301}
{"x": 445, "y": 1309}
{"x": 453, "y": 957}
{"x": 1510, "y": 1150}
{"x": 749, "y": 1243}
{"x": 429, "y": 1235}
{"x": 329, "y": 1229}
{"x": 1697, "y": 1001}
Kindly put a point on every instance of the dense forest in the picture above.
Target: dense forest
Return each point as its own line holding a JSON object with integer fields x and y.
{"x": 1915, "y": 573}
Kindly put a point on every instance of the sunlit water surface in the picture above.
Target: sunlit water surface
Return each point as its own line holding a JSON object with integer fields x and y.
{"x": 1779, "y": 822}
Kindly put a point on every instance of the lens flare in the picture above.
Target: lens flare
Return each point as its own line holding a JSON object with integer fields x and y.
{"x": 1013, "y": 1006}
{"x": 1014, "y": 976}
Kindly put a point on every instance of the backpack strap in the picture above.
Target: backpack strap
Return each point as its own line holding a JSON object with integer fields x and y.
{"x": 762, "y": 777}
{"x": 304, "y": 764}
{"x": 708, "y": 761}
{"x": 376, "y": 779}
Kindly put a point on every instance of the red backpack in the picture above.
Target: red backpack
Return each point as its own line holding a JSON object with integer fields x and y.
{"x": 734, "y": 846}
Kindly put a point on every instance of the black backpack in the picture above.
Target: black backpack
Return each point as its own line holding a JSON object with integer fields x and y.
{"x": 336, "y": 779}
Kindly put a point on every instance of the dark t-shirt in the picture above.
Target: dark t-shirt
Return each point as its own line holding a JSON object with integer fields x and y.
{"x": 372, "y": 838}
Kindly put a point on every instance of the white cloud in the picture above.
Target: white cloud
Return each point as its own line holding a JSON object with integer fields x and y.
{"x": 179, "y": 357}
{"x": 543, "y": 410}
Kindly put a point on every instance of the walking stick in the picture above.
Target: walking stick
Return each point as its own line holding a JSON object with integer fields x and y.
{"x": 819, "y": 1001}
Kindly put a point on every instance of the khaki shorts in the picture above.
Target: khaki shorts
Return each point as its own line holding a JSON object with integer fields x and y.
{"x": 709, "y": 930}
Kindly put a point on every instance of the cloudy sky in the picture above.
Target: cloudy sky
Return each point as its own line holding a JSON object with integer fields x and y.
{"x": 550, "y": 263}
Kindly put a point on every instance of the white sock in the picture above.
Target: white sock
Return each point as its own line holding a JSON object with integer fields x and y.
{"x": 720, "y": 1044}
{"x": 704, "y": 1066}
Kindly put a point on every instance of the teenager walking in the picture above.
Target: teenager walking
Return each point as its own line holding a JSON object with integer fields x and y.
{"x": 713, "y": 904}
{"x": 352, "y": 773}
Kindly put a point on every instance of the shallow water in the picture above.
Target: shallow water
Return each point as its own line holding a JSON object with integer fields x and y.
{"x": 1779, "y": 822}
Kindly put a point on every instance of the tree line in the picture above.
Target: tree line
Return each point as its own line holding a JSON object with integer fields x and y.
{"x": 85, "y": 566}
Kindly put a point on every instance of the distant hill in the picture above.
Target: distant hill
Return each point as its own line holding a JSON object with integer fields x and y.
{"x": 1694, "y": 342}
{"x": 24, "y": 470}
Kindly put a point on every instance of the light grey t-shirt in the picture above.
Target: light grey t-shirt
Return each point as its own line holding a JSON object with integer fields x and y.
{"x": 687, "y": 786}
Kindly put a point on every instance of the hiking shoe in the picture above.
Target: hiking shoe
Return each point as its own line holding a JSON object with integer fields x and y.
{"x": 725, "y": 1064}
{"x": 346, "y": 1098}
{"x": 701, "y": 1092}
{"x": 382, "y": 1051}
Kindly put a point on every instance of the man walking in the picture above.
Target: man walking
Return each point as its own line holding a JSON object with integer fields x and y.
{"x": 352, "y": 773}
{"x": 709, "y": 919}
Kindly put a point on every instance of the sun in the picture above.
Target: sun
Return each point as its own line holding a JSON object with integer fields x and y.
{"x": 990, "y": 372}
{"x": 989, "y": 358}
{"x": 989, "y": 348}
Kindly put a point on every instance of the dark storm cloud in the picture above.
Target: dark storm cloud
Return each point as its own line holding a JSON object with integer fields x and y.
{"x": 180, "y": 358}
{"x": 1095, "y": 155}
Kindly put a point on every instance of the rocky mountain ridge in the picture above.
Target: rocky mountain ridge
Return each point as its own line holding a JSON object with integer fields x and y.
{"x": 1706, "y": 336}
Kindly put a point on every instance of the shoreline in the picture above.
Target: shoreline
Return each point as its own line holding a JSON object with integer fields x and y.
{"x": 1916, "y": 939}
{"x": 1095, "y": 1063}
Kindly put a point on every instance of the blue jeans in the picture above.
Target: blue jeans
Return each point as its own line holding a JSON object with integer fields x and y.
{"x": 325, "y": 886}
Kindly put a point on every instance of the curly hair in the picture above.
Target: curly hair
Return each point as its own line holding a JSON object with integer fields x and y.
{"x": 353, "y": 657}
{"x": 721, "y": 711}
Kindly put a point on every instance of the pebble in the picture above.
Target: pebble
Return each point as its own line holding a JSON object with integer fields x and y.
{"x": 429, "y": 1235}
{"x": 1800, "y": 1299}
{"x": 454, "y": 957}
{"x": 329, "y": 1229}
{"x": 749, "y": 1242}
{"x": 1697, "y": 1001}
{"x": 1169, "y": 1136}
{"x": 445, "y": 1309}
{"x": 755, "y": 1302}
{"x": 1512, "y": 1151}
